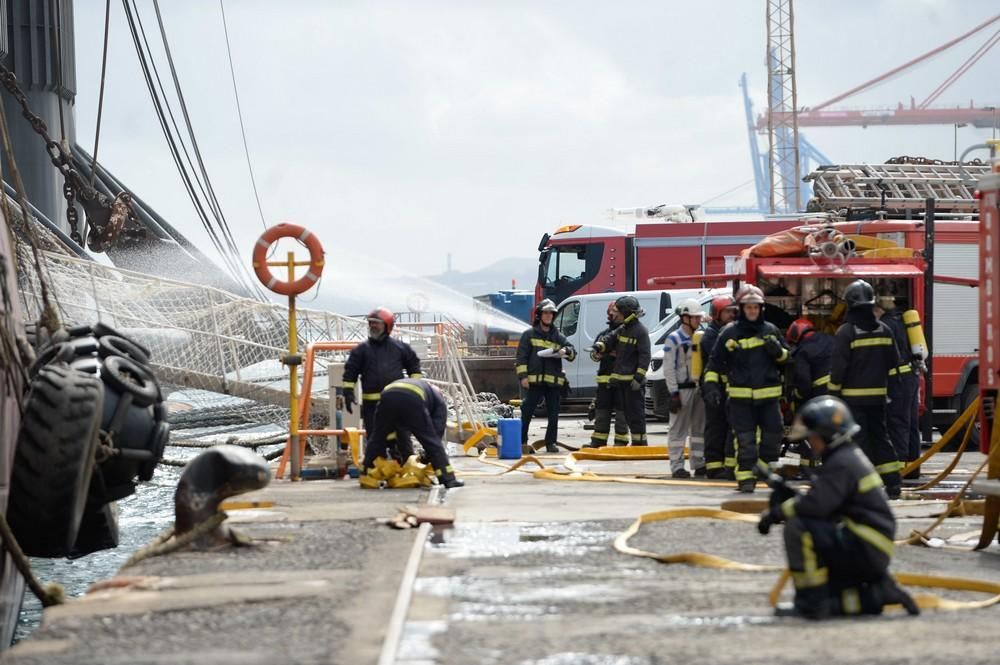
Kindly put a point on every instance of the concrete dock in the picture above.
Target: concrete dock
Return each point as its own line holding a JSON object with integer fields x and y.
{"x": 526, "y": 575}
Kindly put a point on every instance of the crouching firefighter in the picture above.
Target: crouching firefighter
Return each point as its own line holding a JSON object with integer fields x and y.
{"x": 417, "y": 407}
{"x": 838, "y": 535}
{"x": 606, "y": 401}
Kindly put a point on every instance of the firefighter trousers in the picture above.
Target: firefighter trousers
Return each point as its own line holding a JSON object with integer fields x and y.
{"x": 402, "y": 410}
{"x": 720, "y": 452}
{"x": 873, "y": 439}
{"x": 747, "y": 418}
{"x": 902, "y": 416}
{"x": 687, "y": 424}
{"x": 534, "y": 396}
{"x": 633, "y": 404}
{"x": 606, "y": 402}
{"x": 400, "y": 445}
{"x": 833, "y": 570}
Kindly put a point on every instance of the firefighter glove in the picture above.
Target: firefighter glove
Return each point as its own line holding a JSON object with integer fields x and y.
{"x": 764, "y": 525}
{"x": 675, "y": 402}
{"x": 349, "y": 400}
{"x": 637, "y": 383}
{"x": 713, "y": 398}
{"x": 595, "y": 355}
{"x": 773, "y": 347}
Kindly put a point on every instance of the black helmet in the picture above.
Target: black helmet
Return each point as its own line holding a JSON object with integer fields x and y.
{"x": 859, "y": 293}
{"x": 627, "y": 305}
{"x": 827, "y": 417}
{"x": 544, "y": 306}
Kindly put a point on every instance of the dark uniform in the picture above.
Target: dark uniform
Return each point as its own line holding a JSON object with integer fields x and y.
{"x": 838, "y": 536}
{"x": 903, "y": 418}
{"x": 415, "y": 406}
{"x": 720, "y": 452}
{"x": 628, "y": 376}
{"x": 379, "y": 363}
{"x": 545, "y": 378}
{"x": 811, "y": 360}
{"x": 864, "y": 352}
{"x": 605, "y": 401}
{"x": 749, "y": 354}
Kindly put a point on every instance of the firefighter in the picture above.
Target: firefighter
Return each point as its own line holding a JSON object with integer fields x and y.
{"x": 749, "y": 353}
{"x": 628, "y": 376}
{"x": 720, "y": 455}
{"x": 379, "y": 361}
{"x": 686, "y": 405}
{"x": 839, "y": 535}
{"x": 812, "y": 352}
{"x": 415, "y": 406}
{"x": 605, "y": 401}
{"x": 864, "y": 352}
{"x": 903, "y": 419}
{"x": 539, "y": 370}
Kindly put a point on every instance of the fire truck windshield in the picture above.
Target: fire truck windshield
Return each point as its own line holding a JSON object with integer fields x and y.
{"x": 564, "y": 269}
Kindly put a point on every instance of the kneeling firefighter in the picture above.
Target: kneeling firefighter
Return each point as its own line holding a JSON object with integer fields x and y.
{"x": 417, "y": 407}
{"x": 749, "y": 352}
{"x": 838, "y": 536}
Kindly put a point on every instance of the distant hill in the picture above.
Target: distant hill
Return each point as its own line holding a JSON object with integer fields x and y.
{"x": 494, "y": 277}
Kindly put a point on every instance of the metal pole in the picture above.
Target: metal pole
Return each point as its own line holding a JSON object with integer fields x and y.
{"x": 928, "y": 424}
{"x": 293, "y": 371}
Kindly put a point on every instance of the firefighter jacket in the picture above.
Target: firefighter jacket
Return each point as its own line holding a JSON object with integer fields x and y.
{"x": 846, "y": 488}
{"x": 606, "y": 365}
{"x": 433, "y": 401}
{"x": 537, "y": 369}
{"x": 633, "y": 351}
{"x": 677, "y": 350}
{"x": 811, "y": 365}
{"x": 864, "y": 352}
{"x": 379, "y": 364}
{"x": 893, "y": 320}
{"x": 740, "y": 355}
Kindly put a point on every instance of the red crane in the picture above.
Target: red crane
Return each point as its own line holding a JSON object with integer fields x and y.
{"x": 821, "y": 115}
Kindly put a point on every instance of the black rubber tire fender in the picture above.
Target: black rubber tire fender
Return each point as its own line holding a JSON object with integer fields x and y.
{"x": 128, "y": 377}
{"x": 113, "y": 345}
{"x": 98, "y": 530}
{"x": 158, "y": 443}
{"x": 101, "y": 330}
{"x": 54, "y": 459}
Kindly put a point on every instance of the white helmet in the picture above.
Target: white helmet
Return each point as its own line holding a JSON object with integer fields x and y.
{"x": 690, "y": 307}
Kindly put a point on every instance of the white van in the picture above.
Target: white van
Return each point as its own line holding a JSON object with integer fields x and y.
{"x": 582, "y": 318}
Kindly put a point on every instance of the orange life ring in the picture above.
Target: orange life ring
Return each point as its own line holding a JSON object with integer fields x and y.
{"x": 263, "y": 271}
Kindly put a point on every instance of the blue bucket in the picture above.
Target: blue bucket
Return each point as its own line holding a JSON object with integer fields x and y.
{"x": 509, "y": 430}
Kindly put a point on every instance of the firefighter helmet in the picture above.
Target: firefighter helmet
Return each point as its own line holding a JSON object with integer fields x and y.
{"x": 690, "y": 307}
{"x": 544, "y": 306}
{"x": 628, "y": 305}
{"x": 749, "y": 295}
{"x": 720, "y": 303}
{"x": 384, "y": 315}
{"x": 826, "y": 417}
{"x": 859, "y": 293}
{"x": 798, "y": 330}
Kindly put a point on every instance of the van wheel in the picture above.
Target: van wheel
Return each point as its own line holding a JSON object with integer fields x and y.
{"x": 54, "y": 459}
{"x": 969, "y": 395}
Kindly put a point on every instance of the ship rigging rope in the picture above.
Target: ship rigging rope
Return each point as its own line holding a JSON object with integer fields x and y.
{"x": 100, "y": 96}
{"x": 167, "y": 119}
{"x": 239, "y": 114}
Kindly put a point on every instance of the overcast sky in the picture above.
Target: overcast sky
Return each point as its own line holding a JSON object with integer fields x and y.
{"x": 409, "y": 130}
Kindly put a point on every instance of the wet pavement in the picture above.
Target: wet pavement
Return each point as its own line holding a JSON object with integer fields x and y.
{"x": 527, "y": 575}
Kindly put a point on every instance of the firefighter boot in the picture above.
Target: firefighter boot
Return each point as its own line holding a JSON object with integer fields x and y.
{"x": 746, "y": 486}
{"x": 891, "y": 594}
{"x": 449, "y": 480}
{"x": 812, "y": 603}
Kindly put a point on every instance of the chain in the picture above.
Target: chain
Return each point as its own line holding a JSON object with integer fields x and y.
{"x": 927, "y": 161}
{"x": 106, "y": 218}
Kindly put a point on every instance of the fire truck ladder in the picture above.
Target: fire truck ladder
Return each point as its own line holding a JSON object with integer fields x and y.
{"x": 898, "y": 186}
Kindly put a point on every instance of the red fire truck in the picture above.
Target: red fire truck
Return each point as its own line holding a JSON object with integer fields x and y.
{"x": 885, "y": 202}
